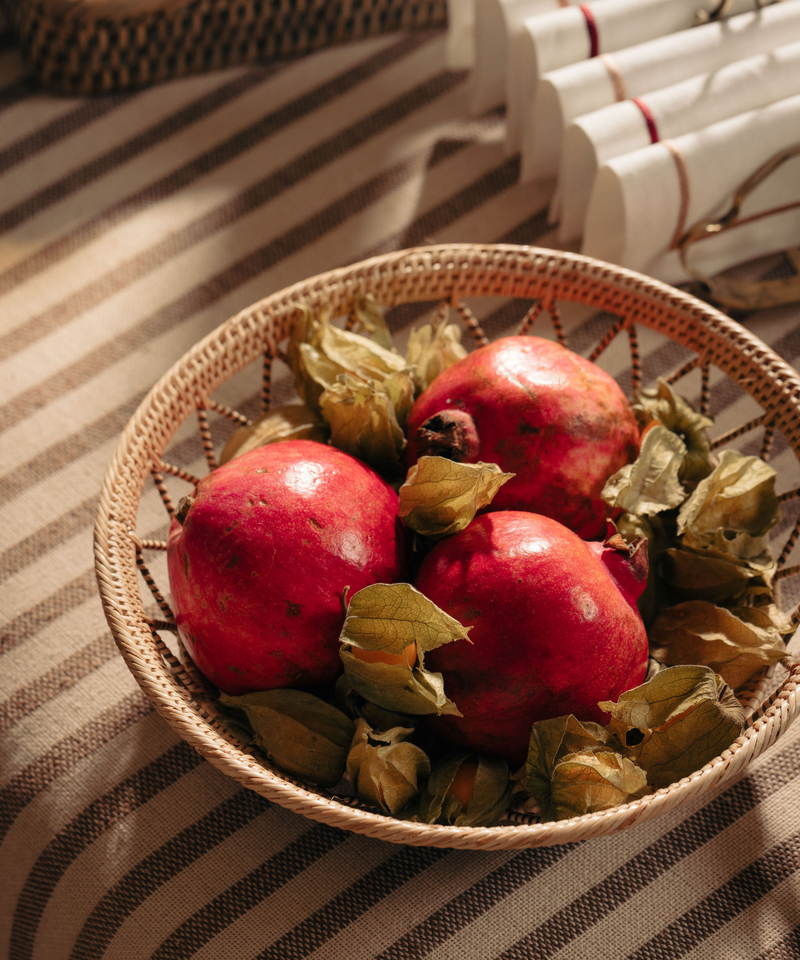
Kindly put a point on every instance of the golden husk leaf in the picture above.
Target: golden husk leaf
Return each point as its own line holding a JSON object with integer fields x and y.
{"x": 592, "y": 780}
{"x": 389, "y": 617}
{"x": 491, "y": 790}
{"x": 295, "y": 421}
{"x": 300, "y": 733}
{"x": 357, "y": 706}
{"x": 384, "y": 768}
{"x": 707, "y": 573}
{"x": 734, "y": 643}
{"x": 739, "y": 495}
{"x": 363, "y": 422}
{"x": 370, "y": 316}
{"x": 431, "y": 351}
{"x": 441, "y": 497}
{"x": 677, "y": 415}
{"x": 650, "y": 484}
{"x": 685, "y": 716}
{"x": 552, "y": 740}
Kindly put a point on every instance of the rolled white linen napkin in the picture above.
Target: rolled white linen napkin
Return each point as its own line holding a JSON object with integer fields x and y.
{"x": 497, "y": 22}
{"x": 690, "y": 105}
{"x": 575, "y": 33}
{"x": 570, "y": 92}
{"x": 644, "y": 201}
{"x": 460, "y": 40}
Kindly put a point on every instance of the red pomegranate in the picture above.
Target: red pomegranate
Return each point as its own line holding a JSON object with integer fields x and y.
{"x": 557, "y": 421}
{"x": 554, "y": 622}
{"x": 259, "y": 563}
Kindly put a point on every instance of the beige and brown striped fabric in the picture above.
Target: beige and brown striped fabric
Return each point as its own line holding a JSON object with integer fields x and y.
{"x": 130, "y": 226}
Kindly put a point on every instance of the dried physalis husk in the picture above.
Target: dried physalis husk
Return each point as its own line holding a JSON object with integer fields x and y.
{"x": 675, "y": 723}
{"x": 738, "y": 496}
{"x": 387, "y": 632}
{"x": 651, "y": 483}
{"x": 734, "y": 643}
{"x": 576, "y": 767}
{"x": 593, "y": 780}
{"x": 431, "y": 351}
{"x": 716, "y": 574}
{"x": 363, "y": 422}
{"x": 441, "y": 497}
{"x": 370, "y": 316}
{"x": 312, "y": 370}
{"x": 300, "y": 733}
{"x": 678, "y": 415}
{"x": 465, "y": 790}
{"x": 384, "y": 768}
{"x": 318, "y": 353}
{"x": 377, "y": 717}
{"x": 295, "y": 421}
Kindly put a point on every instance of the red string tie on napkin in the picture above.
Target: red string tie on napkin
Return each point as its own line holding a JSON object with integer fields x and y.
{"x": 648, "y": 119}
{"x": 591, "y": 26}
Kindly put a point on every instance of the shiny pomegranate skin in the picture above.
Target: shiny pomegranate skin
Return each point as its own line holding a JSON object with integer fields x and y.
{"x": 540, "y": 411}
{"x": 552, "y": 631}
{"x": 258, "y": 567}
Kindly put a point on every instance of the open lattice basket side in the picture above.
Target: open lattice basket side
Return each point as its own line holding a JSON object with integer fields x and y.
{"x": 624, "y": 304}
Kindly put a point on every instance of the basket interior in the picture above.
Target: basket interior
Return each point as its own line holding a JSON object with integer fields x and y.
{"x": 636, "y": 329}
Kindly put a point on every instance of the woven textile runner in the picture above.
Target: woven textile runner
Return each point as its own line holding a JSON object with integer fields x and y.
{"x": 131, "y": 225}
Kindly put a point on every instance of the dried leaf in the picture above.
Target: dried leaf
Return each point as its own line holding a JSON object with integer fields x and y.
{"x": 370, "y": 316}
{"x": 441, "y": 497}
{"x": 300, "y": 733}
{"x": 318, "y": 353}
{"x": 431, "y": 351}
{"x": 313, "y": 373}
{"x": 295, "y": 421}
{"x": 678, "y": 415}
{"x": 483, "y": 781}
{"x": 390, "y": 617}
{"x": 734, "y": 645}
{"x": 650, "y": 484}
{"x": 551, "y": 741}
{"x": 384, "y": 768}
{"x": 590, "y": 781}
{"x": 357, "y": 354}
{"x": 682, "y": 718}
{"x": 738, "y": 496}
{"x": 353, "y": 704}
{"x": 708, "y": 573}
{"x": 363, "y": 422}
{"x": 400, "y": 388}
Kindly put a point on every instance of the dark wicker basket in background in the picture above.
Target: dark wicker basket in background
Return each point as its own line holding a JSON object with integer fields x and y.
{"x": 101, "y": 46}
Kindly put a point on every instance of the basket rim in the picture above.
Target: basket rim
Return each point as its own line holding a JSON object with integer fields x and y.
{"x": 113, "y": 549}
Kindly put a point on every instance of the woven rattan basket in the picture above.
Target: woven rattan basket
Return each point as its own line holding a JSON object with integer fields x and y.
{"x": 634, "y": 326}
{"x": 104, "y": 46}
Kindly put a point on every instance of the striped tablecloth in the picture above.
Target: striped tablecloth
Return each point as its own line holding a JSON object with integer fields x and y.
{"x": 130, "y": 226}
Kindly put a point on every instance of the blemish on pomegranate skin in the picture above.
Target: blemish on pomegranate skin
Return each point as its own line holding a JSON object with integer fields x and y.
{"x": 528, "y": 428}
{"x": 233, "y": 561}
{"x": 584, "y": 604}
{"x": 292, "y": 609}
{"x": 315, "y": 523}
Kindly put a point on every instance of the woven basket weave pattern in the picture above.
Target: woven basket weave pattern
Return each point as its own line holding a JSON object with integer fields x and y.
{"x": 452, "y": 274}
{"x": 75, "y": 50}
